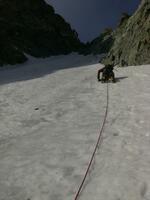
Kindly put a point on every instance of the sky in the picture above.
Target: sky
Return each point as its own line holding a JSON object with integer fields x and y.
{"x": 90, "y": 17}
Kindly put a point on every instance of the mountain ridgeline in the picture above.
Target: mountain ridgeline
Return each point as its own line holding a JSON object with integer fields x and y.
{"x": 129, "y": 43}
{"x": 32, "y": 27}
{"x": 131, "y": 39}
{"x": 100, "y": 45}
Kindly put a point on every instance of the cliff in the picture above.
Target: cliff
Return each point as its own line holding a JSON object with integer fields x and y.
{"x": 32, "y": 27}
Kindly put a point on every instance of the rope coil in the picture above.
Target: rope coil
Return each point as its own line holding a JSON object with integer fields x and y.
{"x": 96, "y": 147}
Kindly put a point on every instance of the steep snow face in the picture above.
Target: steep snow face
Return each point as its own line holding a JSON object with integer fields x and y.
{"x": 51, "y": 112}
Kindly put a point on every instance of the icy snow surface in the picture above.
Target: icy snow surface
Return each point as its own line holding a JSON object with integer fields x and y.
{"x": 51, "y": 111}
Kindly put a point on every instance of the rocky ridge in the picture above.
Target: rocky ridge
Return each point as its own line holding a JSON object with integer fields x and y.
{"x": 32, "y": 27}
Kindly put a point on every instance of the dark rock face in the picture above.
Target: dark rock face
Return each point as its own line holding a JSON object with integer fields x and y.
{"x": 132, "y": 38}
{"x": 32, "y": 27}
{"x": 101, "y": 44}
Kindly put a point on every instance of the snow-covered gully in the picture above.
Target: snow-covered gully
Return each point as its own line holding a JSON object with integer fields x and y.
{"x": 51, "y": 111}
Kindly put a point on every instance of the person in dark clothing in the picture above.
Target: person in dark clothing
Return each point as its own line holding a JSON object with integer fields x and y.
{"x": 107, "y": 73}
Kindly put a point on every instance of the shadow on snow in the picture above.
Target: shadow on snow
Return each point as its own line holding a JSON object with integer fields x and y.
{"x": 41, "y": 67}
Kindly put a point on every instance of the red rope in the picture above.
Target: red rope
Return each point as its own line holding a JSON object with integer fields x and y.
{"x": 95, "y": 149}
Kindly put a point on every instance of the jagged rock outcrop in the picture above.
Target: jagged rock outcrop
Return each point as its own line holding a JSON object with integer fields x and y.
{"x": 99, "y": 45}
{"x": 132, "y": 38}
{"x": 32, "y": 27}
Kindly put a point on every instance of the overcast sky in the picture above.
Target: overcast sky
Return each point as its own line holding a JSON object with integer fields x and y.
{"x": 90, "y": 17}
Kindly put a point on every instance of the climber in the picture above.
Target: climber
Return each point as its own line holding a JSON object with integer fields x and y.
{"x": 107, "y": 74}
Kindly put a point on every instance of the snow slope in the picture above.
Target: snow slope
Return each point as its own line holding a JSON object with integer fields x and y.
{"x": 50, "y": 114}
